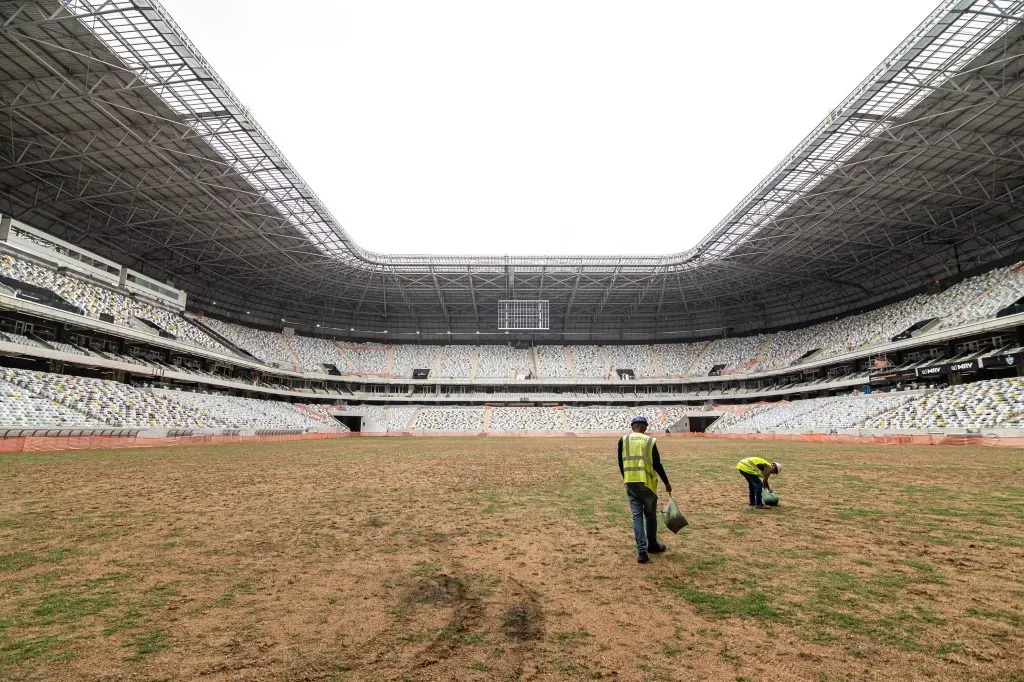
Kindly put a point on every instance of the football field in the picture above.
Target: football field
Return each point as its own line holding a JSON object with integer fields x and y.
{"x": 491, "y": 558}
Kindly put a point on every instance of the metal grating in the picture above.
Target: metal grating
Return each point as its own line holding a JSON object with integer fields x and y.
{"x": 145, "y": 37}
{"x": 524, "y": 315}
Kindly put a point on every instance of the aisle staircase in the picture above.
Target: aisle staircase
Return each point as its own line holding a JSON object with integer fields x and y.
{"x": 435, "y": 365}
{"x": 569, "y": 361}
{"x": 412, "y": 419}
{"x": 655, "y": 365}
{"x": 389, "y": 359}
{"x": 752, "y": 362}
{"x": 474, "y": 362}
{"x": 487, "y": 418}
{"x": 201, "y": 325}
{"x": 608, "y": 369}
{"x": 696, "y": 360}
{"x": 560, "y": 411}
{"x": 296, "y": 362}
{"x": 345, "y": 356}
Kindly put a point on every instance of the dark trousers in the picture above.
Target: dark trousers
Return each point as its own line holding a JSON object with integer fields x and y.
{"x": 754, "y": 484}
{"x": 643, "y": 503}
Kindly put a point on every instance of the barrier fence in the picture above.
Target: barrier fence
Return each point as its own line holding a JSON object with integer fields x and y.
{"x": 887, "y": 439}
{"x": 45, "y": 443}
{"x": 991, "y": 440}
{"x": 17, "y": 444}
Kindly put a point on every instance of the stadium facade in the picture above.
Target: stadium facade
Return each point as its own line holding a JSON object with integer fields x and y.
{"x": 153, "y": 232}
{"x": 122, "y": 139}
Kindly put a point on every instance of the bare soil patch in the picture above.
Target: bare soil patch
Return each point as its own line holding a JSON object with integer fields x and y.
{"x": 483, "y": 559}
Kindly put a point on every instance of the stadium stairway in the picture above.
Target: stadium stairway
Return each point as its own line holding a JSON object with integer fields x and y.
{"x": 569, "y": 361}
{"x": 435, "y": 364}
{"x": 474, "y": 363}
{"x": 534, "y": 362}
{"x": 697, "y": 359}
{"x": 560, "y": 411}
{"x": 975, "y": 301}
{"x": 296, "y": 363}
{"x": 219, "y": 338}
{"x": 41, "y": 342}
{"x": 655, "y": 364}
{"x": 412, "y": 419}
{"x": 487, "y": 418}
{"x": 144, "y": 325}
{"x": 345, "y": 354}
{"x": 389, "y": 360}
{"x": 761, "y": 351}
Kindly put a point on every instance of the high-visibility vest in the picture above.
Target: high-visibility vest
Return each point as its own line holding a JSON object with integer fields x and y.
{"x": 750, "y": 465}
{"x": 638, "y": 460}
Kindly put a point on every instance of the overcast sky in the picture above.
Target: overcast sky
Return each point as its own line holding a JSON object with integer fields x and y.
{"x": 531, "y": 127}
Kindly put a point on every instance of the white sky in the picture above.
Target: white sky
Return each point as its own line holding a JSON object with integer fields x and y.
{"x": 539, "y": 127}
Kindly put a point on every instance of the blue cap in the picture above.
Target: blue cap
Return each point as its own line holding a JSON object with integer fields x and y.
{"x": 638, "y": 420}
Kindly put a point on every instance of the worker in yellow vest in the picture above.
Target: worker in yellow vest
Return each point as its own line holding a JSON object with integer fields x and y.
{"x": 757, "y": 471}
{"x": 640, "y": 466}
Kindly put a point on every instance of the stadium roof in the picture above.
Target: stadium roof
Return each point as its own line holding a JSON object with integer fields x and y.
{"x": 118, "y": 136}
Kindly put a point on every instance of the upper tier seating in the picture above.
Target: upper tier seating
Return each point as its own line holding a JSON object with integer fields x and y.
{"x": 267, "y": 346}
{"x": 590, "y": 362}
{"x": 969, "y": 301}
{"x": 503, "y": 362}
{"x": 732, "y": 353}
{"x": 364, "y": 358}
{"x": 406, "y": 358}
{"x": 314, "y": 353}
{"x": 95, "y": 300}
{"x": 675, "y": 359}
{"x": 985, "y": 295}
{"x": 553, "y": 363}
{"x": 457, "y": 362}
{"x": 636, "y": 358}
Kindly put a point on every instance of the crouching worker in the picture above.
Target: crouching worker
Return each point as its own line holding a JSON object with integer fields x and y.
{"x": 757, "y": 471}
{"x": 640, "y": 466}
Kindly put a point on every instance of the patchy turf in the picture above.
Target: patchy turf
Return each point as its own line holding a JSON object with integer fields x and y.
{"x": 489, "y": 558}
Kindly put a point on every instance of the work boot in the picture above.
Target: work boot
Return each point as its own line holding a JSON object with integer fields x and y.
{"x": 642, "y": 558}
{"x": 657, "y": 548}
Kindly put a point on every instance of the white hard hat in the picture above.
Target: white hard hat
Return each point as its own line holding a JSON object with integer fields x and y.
{"x": 778, "y": 467}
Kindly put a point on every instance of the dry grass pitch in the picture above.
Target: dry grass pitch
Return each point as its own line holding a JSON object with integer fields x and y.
{"x": 488, "y": 558}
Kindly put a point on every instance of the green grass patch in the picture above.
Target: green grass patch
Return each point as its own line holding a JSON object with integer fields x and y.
{"x": 926, "y": 573}
{"x": 17, "y": 561}
{"x": 750, "y": 604}
{"x": 848, "y": 514}
{"x": 231, "y": 594}
{"x": 23, "y": 650}
{"x": 64, "y": 608}
{"x": 147, "y": 644}
{"x": 1010, "y": 618}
